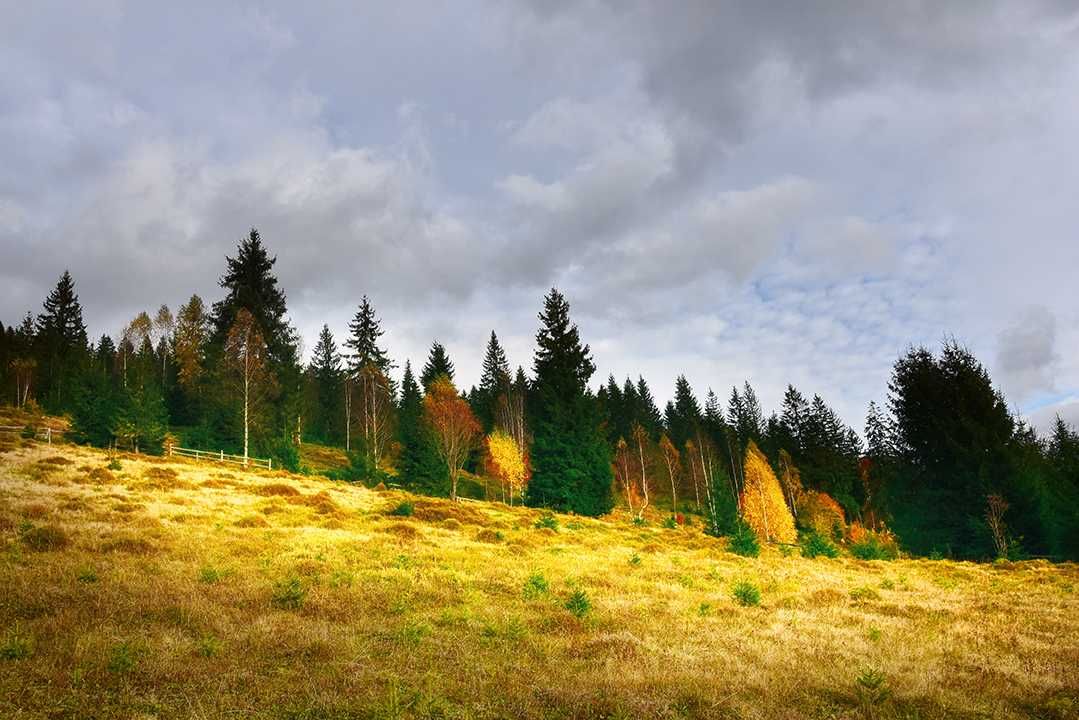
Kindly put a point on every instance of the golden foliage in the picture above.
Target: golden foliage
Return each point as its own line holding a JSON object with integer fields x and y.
{"x": 763, "y": 506}
{"x": 506, "y": 462}
{"x": 819, "y": 512}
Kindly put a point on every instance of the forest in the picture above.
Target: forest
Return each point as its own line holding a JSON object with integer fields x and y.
{"x": 944, "y": 469}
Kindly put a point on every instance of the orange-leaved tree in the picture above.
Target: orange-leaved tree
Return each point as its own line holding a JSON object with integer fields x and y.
{"x": 763, "y": 507}
{"x": 507, "y": 462}
{"x": 454, "y": 427}
{"x": 672, "y": 460}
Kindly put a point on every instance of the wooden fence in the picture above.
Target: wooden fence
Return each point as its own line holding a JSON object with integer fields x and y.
{"x": 45, "y": 434}
{"x": 220, "y": 456}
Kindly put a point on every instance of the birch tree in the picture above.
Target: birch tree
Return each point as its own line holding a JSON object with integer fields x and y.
{"x": 246, "y": 361}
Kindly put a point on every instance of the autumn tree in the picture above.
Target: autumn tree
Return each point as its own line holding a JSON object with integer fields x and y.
{"x": 454, "y": 427}
{"x": 672, "y": 464}
{"x": 419, "y": 466}
{"x": 189, "y": 343}
{"x": 507, "y": 462}
{"x": 246, "y": 359}
{"x": 763, "y": 507}
{"x": 164, "y": 326}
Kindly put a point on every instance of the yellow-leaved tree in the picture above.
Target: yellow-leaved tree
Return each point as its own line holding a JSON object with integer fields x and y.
{"x": 507, "y": 463}
{"x": 763, "y": 506}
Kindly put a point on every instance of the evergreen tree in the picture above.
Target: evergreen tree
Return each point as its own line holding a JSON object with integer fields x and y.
{"x": 570, "y": 460}
{"x": 438, "y": 365}
{"x": 420, "y": 467}
{"x": 686, "y": 417}
{"x": 326, "y": 376}
{"x": 364, "y": 333}
{"x": 650, "y": 417}
{"x": 60, "y": 336}
{"x": 494, "y": 382}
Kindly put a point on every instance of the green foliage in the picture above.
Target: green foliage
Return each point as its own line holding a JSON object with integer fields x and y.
{"x": 288, "y": 594}
{"x": 209, "y": 575}
{"x": 635, "y": 559}
{"x": 872, "y": 689}
{"x": 123, "y": 657}
{"x": 114, "y": 464}
{"x": 536, "y": 586}
{"x": 746, "y": 594}
{"x": 547, "y": 520}
{"x": 420, "y": 467}
{"x": 815, "y": 545}
{"x": 209, "y": 646}
{"x": 670, "y": 523}
{"x": 872, "y": 549}
{"x": 571, "y": 463}
{"x": 16, "y": 646}
{"x": 403, "y": 509}
{"x": 744, "y": 541}
{"x": 578, "y": 603}
{"x": 86, "y": 575}
{"x": 285, "y": 455}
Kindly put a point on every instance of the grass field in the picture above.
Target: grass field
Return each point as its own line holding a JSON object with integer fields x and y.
{"x": 178, "y": 590}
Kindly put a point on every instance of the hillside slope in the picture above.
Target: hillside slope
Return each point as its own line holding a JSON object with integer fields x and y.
{"x": 175, "y": 590}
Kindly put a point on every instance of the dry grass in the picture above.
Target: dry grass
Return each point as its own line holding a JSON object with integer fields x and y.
{"x": 178, "y": 590}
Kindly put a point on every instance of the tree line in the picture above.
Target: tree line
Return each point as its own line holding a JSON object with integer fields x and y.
{"x": 944, "y": 467}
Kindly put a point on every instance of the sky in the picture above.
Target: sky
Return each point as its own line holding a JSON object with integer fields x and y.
{"x": 777, "y": 192}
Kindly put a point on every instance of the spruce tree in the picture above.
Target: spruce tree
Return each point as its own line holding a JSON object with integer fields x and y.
{"x": 570, "y": 459}
{"x": 650, "y": 416}
{"x": 685, "y": 413}
{"x": 363, "y": 340}
{"x": 326, "y": 376}
{"x": 438, "y": 365}
{"x": 494, "y": 382}
{"x": 61, "y": 344}
{"x": 419, "y": 467}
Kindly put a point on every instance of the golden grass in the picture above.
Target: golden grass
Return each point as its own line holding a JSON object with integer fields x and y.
{"x": 179, "y": 590}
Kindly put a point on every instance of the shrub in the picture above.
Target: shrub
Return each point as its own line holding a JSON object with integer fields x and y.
{"x": 86, "y": 575}
{"x": 286, "y": 456}
{"x": 639, "y": 521}
{"x": 578, "y": 603}
{"x": 45, "y": 538}
{"x": 635, "y": 559}
{"x": 747, "y": 594}
{"x": 872, "y": 549}
{"x": 209, "y": 575}
{"x": 547, "y": 520}
{"x": 536, "y": 586}
{"x": 114, "y": 464}
{"x": 122, "y": 658}
{"x": 403, "y": 509}
{"x": 288, "y": 594}
{"x": 744, "y": 541}
{"x": 670, "y": 522}
{"x": 16, "y": 647}
{"x": 209, "y": 646}
{"x": 872, "y": 690}
{"x": 816, "y": 545}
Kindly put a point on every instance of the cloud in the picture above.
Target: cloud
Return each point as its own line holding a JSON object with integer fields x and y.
{"x": 1027, "y": 355}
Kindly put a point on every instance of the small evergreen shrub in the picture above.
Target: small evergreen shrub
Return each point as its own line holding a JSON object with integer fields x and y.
{"x": 536, "y": 586}
{"x": 16, "y": 647}
{"x": 209, "y": 575}
{"x": 872, "y": 549}
{"x": 122, "y": 658}
{"x": 114, "y": 464}
{"x": 86, "y": 575}
{"x": 635, "y": 559}
{"x": 747, "y": 594}
{"x": 404, "y": 509}
{"x": 640, "y": 521}
{"x": 288, "y": 594}
{"x": 744, "y": 541}
{"x": 816, "y": 545}
{"x": 578, "y": 603}
{"x": 670, "y": 522}
{"x": 873, "y": 691}
{"x": 209, "y": 646}
{"x": 547, "y": 521}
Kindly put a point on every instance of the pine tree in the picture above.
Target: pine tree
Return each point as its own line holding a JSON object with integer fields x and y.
{"x": 326, "y": 375}
{"x": 682, "y": 423}
{"x": 364, "y": 333}
{"x": 570, "y": 458}
{"x": 419, "y": 466}
{"x": 494, "y": 382}
{"x": 60, "y": 336}
{"x": 650, "y": 416}
{"x": 438, "y": 365}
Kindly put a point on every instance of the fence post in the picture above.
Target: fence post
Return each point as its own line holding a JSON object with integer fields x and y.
{"x": 48, "y": 434}
{"x": 269, "y": 464}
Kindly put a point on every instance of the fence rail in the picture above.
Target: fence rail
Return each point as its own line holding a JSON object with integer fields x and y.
{"x": 221, "y": 456}
{"x": 42, "y": 433}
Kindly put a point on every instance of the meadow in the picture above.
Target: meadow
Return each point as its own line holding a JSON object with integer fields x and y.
{"x": 160, "y": 588}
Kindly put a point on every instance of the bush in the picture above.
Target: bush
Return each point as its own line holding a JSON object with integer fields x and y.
{"x": 288, "y": 594}
{"x": 536, "y": 586}
{"x": 114, "y": 464}
{"x": 286, "y": 456}
{"x": 86, "y": 575}
{"x": 403, "y": 509}
{"x": 28, "y": 433}
{"x": 744, "y": 541}
{"x": 816, "y": 545}
{"x": 747, "y": 594}
{"x": 209, "y": 575}
{"x": 578, "y": 603}
{"x": 16, "y": 647}
{"x": 45, "y": 538}
{"x": 547, "y": 520}
{"x": 670, "y": 522}
{"x": 122, "y": 658}
{"x": 873, "y": 549}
